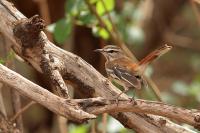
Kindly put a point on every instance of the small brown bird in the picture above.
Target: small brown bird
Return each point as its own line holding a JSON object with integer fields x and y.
{"x": 123, "y": 70}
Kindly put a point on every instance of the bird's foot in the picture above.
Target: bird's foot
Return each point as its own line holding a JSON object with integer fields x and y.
{"x": 132, "y": 99}
{"x": 116, "y": 99}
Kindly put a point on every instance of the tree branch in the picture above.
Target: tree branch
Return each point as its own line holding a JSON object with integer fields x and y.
{"x": 41, "y": 95}
{"x": 20, "y": 112}
{"x": 97, "y": 105}
{"x": 71, "y": 67}
{"x": 102, "y": 105}
{"x": 2, "y": 106}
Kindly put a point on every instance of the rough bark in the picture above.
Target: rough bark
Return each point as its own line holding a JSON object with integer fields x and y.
{"x": 71, "y": 108}
{"x": 32, "y": 47}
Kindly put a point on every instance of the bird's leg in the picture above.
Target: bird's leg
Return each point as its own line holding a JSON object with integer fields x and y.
{"x": 144, "y": 83}
{"x": 124, "y": 91}
{"x": 132, "y": 99}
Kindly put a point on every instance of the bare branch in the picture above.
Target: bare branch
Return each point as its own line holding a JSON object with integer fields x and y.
{"x": 94, "y": 105}
{"x": 50, "y": 68}
{"x": 22, "y": 110}
{"x": 26, "y": 30}
{"x": 102, "y": 105}
{"x": 41, "y": 95}
{"x": 72, "y": 68}
{"x": 2, "y": 106}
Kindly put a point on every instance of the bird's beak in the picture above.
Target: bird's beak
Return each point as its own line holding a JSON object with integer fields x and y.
{"x": 98, "y": 50}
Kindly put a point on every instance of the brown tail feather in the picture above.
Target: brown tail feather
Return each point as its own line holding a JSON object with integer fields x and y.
{"x": 152, "y": 56}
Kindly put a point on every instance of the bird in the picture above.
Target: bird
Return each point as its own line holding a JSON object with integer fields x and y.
{"x": 126, "y": 72}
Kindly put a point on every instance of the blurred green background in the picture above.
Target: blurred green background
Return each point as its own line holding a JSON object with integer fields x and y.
{"x": 143, "y": 25}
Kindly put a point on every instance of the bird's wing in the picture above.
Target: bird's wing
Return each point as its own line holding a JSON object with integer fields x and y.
{"x": 133, "y": 80}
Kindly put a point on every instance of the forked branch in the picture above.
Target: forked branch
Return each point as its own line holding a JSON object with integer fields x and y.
{"x": 70, "y": 67}
{"x": 72, "y": 108}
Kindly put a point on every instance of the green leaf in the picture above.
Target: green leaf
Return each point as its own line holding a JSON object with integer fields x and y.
{"x": 94, "y": 1}
{"x": 2, "y": 61}
{"x": 78, "y": 129}
{"x": 109, "y": 4}
{"x": 10, "y": 55}
{"x": 63, "y": 29}
{"x": 73, "y": 7}
{"x": 101, "y": 31}
{"x": 86, "y": 18}
{"x": 194, "y": 88}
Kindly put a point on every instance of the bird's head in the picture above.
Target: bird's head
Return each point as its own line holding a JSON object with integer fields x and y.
{"x": 111, "y": 52}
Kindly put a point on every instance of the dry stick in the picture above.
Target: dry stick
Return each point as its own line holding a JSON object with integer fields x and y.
{"x": 195, "y": 10}
{"x": 16, "y": 103}
{"x": 41, "y": 95}
{"x": 2, "y": 106}
{"x": 101, "y": 105}
{"x": 78, "y": 71}
{"x": 93, "y": 126}
{"x": 22, "y": 110}
{"x": 197, "y": 1}
{"x": 95, "y": 105}
{"x": 182, "y": 41}
{"x": 115, "y": 37}
{"x": 104, "y": 121}
{"x": 15, "y": 97}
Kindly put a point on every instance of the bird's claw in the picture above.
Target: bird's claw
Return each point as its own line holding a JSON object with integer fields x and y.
{"x": 132, "y": 99}
{"x": 116, "y": 99}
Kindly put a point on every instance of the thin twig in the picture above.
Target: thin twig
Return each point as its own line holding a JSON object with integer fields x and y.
{"x": 78, "y": 71}
{"x": 104, "y": 122}
{"x": 15, "y": 97}
{"x": 2, "y": 106}
{"x": 195, "y": 10}
{"x": 41, "y": 95}
{"x": 114, "y": 28}
{"x": 62, "y": 124}
{"x": 22, "y": 110}
{"x": 93, "y": 126}
{"x": 197, "y": 1}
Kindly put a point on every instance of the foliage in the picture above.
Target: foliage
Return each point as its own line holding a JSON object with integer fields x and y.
{"x": 79, "y": 128}
{"x": 78, "y": 13}
{"x": 62, "y": 30}
{"x": 9, "y": 56}
{"x": 2, "y": 61}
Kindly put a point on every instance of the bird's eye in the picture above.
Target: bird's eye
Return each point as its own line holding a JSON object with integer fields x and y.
{"x": 138, "y": 77}
{"x": 111, "y": 51}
